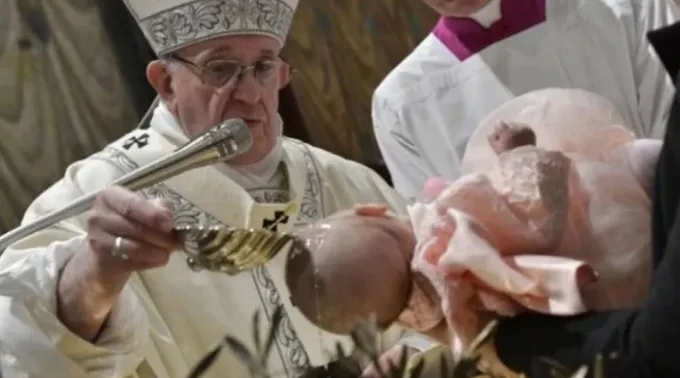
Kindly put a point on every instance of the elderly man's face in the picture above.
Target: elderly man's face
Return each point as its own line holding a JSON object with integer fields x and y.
{"x": 456, "y": 8}
{"x": 199, "y": 85}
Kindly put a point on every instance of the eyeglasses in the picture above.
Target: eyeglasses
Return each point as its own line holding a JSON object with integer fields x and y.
{"x": 218, "y": 73}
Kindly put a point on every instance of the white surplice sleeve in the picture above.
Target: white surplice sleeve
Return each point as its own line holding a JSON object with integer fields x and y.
{"x": 408, "y": 169}
{"x": 34, "y": 341}
{"x": 655, "y": 88}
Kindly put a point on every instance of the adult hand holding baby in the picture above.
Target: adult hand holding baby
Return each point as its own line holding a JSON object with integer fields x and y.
{"x": 475, "y": 302}
{"x": 522, "y": 234}
{"x": 393, "y": 356}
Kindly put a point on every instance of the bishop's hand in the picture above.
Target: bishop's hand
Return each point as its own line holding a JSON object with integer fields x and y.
{"x": 126, "y": 232}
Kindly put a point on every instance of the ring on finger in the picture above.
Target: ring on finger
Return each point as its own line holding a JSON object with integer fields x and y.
{"x": 117, "y": 250}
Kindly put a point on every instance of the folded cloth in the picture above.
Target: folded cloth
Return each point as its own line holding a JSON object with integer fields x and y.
{"x": 526, "y": 236}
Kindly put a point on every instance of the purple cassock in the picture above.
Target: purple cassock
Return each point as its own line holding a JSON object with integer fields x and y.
{"x": 466, "y": 37}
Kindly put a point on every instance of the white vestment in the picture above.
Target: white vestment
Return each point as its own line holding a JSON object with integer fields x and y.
{"x": 428, "y": 106}
{"x": 185, "y": 313}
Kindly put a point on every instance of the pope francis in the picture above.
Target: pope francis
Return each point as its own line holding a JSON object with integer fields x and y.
{"x": 103, "y": 294}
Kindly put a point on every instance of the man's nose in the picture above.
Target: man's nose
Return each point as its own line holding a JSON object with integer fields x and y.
{"x": 247, "y": 89}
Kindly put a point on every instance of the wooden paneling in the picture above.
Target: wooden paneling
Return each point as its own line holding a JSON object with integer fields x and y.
{"x": 61, "y": 95}
{"x": 343, "y": 49}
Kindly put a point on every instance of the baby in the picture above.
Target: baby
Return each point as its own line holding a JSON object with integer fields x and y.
{"x": 552, "y": 230}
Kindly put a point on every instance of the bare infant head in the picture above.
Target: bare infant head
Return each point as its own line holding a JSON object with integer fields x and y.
{"x": 351, "y": 266}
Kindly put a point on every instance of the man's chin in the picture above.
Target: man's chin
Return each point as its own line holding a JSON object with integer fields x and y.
{"x": 257, "y": 132}
{"x": 256, "y": 153}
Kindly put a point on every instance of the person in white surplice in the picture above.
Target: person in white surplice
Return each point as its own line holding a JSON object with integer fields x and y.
{"x": 102, "y": 294}
{"x": 483, "y": 53}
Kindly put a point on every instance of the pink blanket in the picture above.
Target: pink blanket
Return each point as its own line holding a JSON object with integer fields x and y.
{"x": 559, "y": 228}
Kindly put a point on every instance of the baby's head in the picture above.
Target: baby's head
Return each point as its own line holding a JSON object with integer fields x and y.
{"x": 351, "y": 266}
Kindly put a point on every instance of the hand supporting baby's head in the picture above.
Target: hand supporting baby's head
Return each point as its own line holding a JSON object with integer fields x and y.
{"x": 351, "y": 266}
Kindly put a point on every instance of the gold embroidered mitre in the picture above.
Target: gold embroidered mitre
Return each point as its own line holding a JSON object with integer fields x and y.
{"x": 170, "y": 25}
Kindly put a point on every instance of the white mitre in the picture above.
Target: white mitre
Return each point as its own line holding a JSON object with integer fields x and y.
{"x": 170, "y": 25}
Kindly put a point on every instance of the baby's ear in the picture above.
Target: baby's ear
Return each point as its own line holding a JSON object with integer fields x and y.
{"x": 371, "y": 210}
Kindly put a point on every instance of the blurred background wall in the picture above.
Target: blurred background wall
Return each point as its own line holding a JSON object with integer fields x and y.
{"x": 72, "y": 79}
